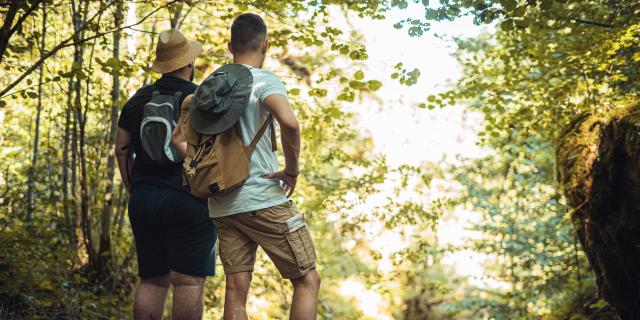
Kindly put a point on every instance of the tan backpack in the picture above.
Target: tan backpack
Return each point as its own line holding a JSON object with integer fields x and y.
{"x": 217, "y": 164}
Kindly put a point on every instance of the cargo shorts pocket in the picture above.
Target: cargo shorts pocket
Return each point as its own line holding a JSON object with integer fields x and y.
{"x": 300, "y": 241}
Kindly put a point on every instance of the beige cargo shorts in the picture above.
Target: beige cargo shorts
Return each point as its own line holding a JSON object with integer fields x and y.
{"x": 281, "y": 232}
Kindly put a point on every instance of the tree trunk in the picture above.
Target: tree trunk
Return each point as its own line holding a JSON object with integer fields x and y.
{"x": 104, "y": 252}
{"x": 79, "y": 135}
{"x": 36, "y": 140}
{"x": 66, "y": 201}
{"x": 598, "y": 161}
{"x": 121, "y": 206}
{"x": 175, "y": 20}
{"x": 147, "y": 77}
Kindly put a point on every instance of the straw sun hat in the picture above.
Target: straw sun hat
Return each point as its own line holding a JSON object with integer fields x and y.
{"x": 174, "y": 51}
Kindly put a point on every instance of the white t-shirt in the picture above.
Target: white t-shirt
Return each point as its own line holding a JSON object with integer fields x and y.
{"x": 257, "y": 192}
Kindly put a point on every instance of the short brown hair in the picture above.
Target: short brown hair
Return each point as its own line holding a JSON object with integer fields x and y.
{"x": 247, "y": 32}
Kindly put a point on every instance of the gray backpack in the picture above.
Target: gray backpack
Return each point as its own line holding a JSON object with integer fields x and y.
{"x": 159, "y": 118}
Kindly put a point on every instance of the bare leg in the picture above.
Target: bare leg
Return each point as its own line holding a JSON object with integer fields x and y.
{"x": 187, "y": 296}
{"x": 304, "y": 305}
{"x": 150, "y": 298}
{"x": 235, "y": 296}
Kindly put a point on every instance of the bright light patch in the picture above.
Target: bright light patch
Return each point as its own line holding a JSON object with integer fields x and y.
{"x": 131, "y": 19}
{"x": 369, "y": 302}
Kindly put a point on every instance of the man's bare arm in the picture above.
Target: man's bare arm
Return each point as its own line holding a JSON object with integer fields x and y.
{"x": 122, "y": 145}
{"x": 279, "y": 106}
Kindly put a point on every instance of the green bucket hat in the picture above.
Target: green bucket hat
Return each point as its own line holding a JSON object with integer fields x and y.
{"x": 221, "y": 99}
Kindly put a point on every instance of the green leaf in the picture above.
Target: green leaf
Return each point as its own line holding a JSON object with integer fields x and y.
{"x": 294, "y": 91}
{"x": 374, "y": 85}
{"x": 506, "y": 25}
{"x": 359, "y": 75}
{"x": 601, "y": 303}
{"x": 430, "y": 14}
{"x": 479, "y": 5}
{"x": 356, "y": 84}
{"x": 546, "y": 4}
{"x": 318, "y": 92}
{"x": 519, "y": 11}
{"x": 508, "y": 5}
{"x": 523, "y": 23}
{"x": 112, "y": 62}
{"x": 415, "y": 31}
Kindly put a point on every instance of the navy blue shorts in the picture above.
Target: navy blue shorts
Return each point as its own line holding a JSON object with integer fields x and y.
{"x": 173, "y": 231}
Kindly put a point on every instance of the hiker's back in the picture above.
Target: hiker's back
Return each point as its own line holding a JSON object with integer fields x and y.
{"x": 145, "y": 168}
{"x": 257, "y": 192}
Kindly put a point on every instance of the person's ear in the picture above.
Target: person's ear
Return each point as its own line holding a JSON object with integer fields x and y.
{"x": 230, "y": 47}
{"x": 265, "y": 45}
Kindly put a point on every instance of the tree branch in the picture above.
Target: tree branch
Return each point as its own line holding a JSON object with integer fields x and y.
{"x": 68, "y": 42}
{"x": 8, "y": 30}
{"x": 26, "y": 14}
{"x": 589, "y": 22}
{"x": 5, "y": 30}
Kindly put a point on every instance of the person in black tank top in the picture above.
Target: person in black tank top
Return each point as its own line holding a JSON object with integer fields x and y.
{"x": 175, "y": 239}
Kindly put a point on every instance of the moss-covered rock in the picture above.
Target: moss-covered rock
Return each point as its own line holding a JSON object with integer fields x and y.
{"x": 598, "y": 168}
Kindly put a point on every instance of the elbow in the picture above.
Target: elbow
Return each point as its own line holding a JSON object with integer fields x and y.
{"x": 179, "y": 143}
{"x": 120, "y": 151}
{"x": 176, "y": 138}
{"x": 291, "y": 125}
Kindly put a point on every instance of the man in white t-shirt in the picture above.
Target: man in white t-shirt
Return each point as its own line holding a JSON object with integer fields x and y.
{"x": 259, "y": 213}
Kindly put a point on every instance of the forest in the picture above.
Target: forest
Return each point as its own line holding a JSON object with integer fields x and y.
{"x": 551, "y": 201}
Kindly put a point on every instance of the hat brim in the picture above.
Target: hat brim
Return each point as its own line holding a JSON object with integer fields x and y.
{"x": 195, "y": 50}
{"x": 205, "y": 124}
{"x": 208, "y": 123}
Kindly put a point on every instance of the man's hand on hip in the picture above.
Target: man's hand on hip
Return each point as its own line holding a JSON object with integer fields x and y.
{"x": 288, "y": 180}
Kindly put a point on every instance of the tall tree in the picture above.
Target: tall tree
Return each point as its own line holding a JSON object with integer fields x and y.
{"x": 36, "y": 139}
{"x": 79, "y": 143}
{"x": 104, "y": 251}
{"x": 175, "y": 17}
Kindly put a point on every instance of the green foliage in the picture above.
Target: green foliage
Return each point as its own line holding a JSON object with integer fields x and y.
{"x": 548, "y": 62}
{"x": 404, "y": 76}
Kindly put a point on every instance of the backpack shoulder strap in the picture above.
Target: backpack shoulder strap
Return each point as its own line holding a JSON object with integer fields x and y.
{"x": 263, "y": 128}
{"x": 274, "y": 140}
{"x": 178, "y": 107}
